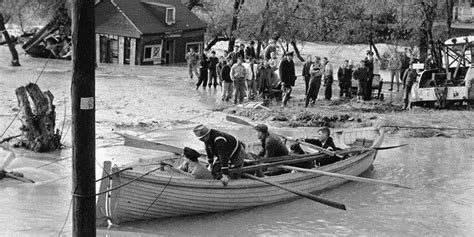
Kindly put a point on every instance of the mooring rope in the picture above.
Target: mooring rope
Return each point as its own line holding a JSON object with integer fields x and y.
{"x": 159, "y": 195}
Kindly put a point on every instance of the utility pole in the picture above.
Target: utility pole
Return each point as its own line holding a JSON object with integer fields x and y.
{"x": 83, "y": 118}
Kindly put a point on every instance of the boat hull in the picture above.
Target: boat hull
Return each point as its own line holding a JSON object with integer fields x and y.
{"x": 163, "y": 195}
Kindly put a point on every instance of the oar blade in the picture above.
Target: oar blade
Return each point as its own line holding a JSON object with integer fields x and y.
{"x": 238, "y": 120}
{"x": 137, "y": 142}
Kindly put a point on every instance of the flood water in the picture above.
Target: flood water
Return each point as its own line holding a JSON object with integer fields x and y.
{"x": 440, "y": 170}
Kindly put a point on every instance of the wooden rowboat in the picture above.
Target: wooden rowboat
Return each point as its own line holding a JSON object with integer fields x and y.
{"x": 142, "y": 190}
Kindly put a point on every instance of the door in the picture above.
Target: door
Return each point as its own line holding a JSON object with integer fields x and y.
{"x": 169, "y": 53}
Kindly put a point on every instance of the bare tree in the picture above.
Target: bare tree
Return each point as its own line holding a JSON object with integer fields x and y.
{"x": 15, "y": 60}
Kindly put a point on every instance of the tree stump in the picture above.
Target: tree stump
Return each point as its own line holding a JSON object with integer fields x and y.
{"x": 38, "y": 119}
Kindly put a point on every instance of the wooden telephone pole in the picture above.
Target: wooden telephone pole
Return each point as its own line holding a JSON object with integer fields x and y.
{"x": 83, "y": 118}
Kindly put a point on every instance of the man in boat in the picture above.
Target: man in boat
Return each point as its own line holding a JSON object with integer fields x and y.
{"x": 229, "y": 152}
{"x": 272, "y": 146}
{"x": 192, "y": 165}
{"x": 325, "y": 141}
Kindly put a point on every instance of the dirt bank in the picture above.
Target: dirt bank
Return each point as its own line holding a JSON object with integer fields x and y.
{"x": 353, "y": 114}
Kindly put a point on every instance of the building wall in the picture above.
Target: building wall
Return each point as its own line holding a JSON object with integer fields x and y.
{"x": 188, "y": 37}
{"x": 182, "y": 40}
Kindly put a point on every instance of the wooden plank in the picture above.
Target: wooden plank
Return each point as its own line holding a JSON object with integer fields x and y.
{"x": 97, "y": 49}
{"x": 101, "y": 209}
{"x": 133, "y": 50}
{"x": 121, "y": 50}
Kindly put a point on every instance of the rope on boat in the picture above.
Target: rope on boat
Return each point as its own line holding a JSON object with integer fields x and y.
{"x": 172, "y": 173}
{"x": 120, "y": 186}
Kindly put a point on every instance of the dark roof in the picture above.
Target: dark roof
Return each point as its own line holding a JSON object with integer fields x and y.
{"x": 150, "y": 19}
{"x": 110, "y": 20}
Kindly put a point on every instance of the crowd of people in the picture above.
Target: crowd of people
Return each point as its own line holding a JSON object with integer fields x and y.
{"x": 243, "y": 74}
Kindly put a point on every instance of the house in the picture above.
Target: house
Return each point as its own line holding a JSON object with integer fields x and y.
{"x": 141, "y": 32}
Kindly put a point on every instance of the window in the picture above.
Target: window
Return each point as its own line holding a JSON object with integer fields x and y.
{"x": 170, "y": 15}
{"x": 194, "y": 45}
{"x": 152, "y": 52}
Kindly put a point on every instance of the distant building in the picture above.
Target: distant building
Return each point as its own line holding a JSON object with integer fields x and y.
{"x": 146, "y": 31}
{"x": 463, "y": 10}
{"x": 463, "y": 18}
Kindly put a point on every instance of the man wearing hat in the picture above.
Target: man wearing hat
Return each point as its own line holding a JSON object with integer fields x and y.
{"x": 192, "y": 165}
{"x": 229, "y": 152}
{"x": 287, "y": 76}
{"x": 271, "y": 145}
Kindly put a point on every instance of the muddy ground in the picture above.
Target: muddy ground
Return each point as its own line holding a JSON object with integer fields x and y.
{"x": 146, "y": 98}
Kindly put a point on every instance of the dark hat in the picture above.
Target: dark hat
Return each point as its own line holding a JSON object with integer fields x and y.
{"x": 201, "y": 131}
{"x": 289, "y": 54}
{"x": 262, "y": 128}
{"x": 242, "y": 45}
{"x": 370, "y": 52}
{"x": 213, "y": 52}
{"x": 191, "y": 154}
{"x": 252, "y": 42}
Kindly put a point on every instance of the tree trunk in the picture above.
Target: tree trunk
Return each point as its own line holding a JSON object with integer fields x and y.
{"x": 235, "y": 21}
{"x": 214, "y": 41}
{"x": 449, "y": 16}
{"x": 297, "y": 51}
{"x": 11, "y": 46}
{"x": 39, "y": 119}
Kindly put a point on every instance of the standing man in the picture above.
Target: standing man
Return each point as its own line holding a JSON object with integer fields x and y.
{"x": 251, "y": 67}
{"x": 287, "y": 76}
{"x": 242, "y": 51}
{"x": 404, "y": 62}
{"x": 234, "y": 54}
{"x": 213, "y": 61}
{"x": 250, "y": 51}
{"x": 361, "y": 74}
{"x": 192, "y": 59}
{"x": 408, "y": 80}
{"x": 394, "y": 66}
{"x": 344, "y": 75}
{"x": 328, "y": 78}
{"x": 223, "y": 150}
{"x": 204, "y": 66}
{"x": 369, "y": 63}
{"x": 238, "y": 74}
{"x": 315, "y": 81}
{"x": 227, "y": 83}
{"x": 306, "y": 73}
{"x": 271, "y": 47}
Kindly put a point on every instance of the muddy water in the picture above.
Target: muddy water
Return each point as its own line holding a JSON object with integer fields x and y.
{"x": 441, "y": 203}
{"x": 440, "y": 170}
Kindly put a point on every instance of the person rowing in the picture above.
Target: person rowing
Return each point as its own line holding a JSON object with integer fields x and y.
{"x": 228, "y": 151}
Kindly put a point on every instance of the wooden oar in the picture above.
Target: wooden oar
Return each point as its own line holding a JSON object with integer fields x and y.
{"x": 135, "y": 141}
{"x": 323, "y": 150}
{"x": 343, "y": 176}
{"x": 23, "y": 179}
{"x": 424, "y": 127}
{"x": 299, "y": 193}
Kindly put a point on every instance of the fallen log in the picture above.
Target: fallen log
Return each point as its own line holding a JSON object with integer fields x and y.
{"x": 38, "y": 119}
